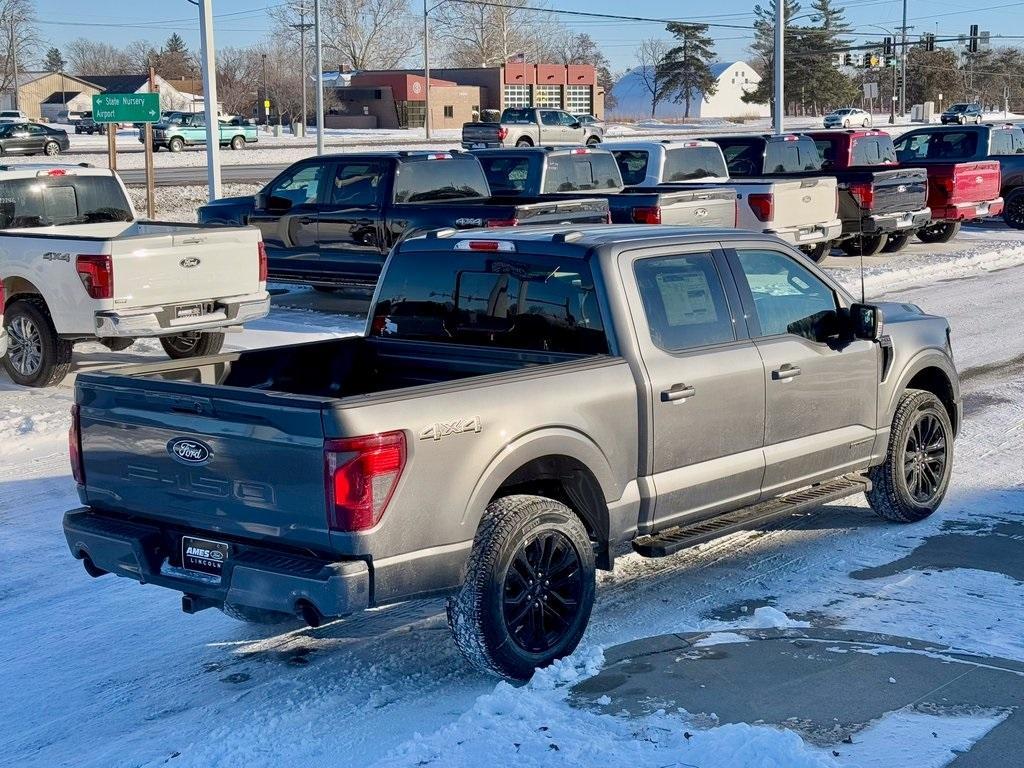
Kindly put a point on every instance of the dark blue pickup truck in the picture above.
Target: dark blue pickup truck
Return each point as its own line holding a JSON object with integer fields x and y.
{"x": 330, "y": 221}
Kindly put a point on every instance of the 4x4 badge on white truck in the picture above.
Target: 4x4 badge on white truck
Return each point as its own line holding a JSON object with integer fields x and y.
{"x": 446, "y": 428}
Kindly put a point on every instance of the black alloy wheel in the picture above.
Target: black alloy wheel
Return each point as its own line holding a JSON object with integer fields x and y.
{"x": 542, "y": 591}
{"x": 924, "y": 458}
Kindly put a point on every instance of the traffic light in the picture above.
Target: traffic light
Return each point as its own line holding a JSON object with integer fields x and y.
{"x": 848, "y": 59}
{"x": 929, "y": 42}
{"x": 890, "y": 61}
{"x": 889, "y": 48}
{"x": 870, "y": 60}
{"x": 972, "y": 41}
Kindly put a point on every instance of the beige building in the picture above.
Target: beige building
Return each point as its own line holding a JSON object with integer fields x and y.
{"x": 45, "y": 91}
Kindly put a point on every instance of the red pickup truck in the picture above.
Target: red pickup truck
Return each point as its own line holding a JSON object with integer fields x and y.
{"x": 960, "y": 187}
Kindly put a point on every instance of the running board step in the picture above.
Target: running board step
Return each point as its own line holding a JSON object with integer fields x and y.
{"x": 672, "y": 540}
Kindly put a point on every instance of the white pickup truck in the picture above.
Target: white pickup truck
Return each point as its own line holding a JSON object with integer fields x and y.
{"x": 77, "y": 266}
{"x": 803, "y": 211}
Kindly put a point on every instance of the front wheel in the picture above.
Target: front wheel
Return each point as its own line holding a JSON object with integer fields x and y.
{"x": 940, "y": 232}
{"x": 912, "y": 481}
{"x": 897, "y": 241}
{"x": 192, "y": 344}
{"x": 238, "y": 143}
{"x": 524, "y": 143}
{"x": 864, "y": 245}
{"x": 529, "y": 587}
{"x": 52, "y": 148}
{"x": 593, "y": 141}
{"x": 36, "y": 355}
{"x": 176, "y": 144}
{"x": 866, "y": 123}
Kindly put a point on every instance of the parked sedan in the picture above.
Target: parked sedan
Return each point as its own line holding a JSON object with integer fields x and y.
{"x": 32, "y": 138}
{"x": 962, "y": 114}
{"x": 848, "y": 118}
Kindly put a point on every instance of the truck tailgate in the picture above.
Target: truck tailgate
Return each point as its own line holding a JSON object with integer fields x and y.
{"x": 574, "y": 211}
{"x": 188, "y": 265}
{"x": 480, "y": 132}
{"x": 712, "y": 207}
{"x": 803, "y": 202}
{"x": 976, "y": 182}
{"x": 249, "y": 466}
{"x": 899, "y": 189}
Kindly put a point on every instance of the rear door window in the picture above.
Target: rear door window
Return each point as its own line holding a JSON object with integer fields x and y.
{"x": 1001, "y": 143}
{"x": 356, "y": 183}
{"x": 684, "y": 301}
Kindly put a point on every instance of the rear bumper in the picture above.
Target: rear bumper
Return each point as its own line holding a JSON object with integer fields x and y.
{"x": 820, "y": 233}
{"x": 161, "y": 320}
{"x": 888, "y": 222}
{"x": 253, "y": 577}
{"x": 968, "y": 211}
{"x": 495, "y": 144}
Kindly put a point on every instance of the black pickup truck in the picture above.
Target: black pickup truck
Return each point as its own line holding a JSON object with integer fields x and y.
{"x": 881, "y": 204}
{"x": 546, "y": 173}
{"x": 330, "y": 221}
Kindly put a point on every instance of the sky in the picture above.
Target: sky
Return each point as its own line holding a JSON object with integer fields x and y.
{"x": 239, "y": 22}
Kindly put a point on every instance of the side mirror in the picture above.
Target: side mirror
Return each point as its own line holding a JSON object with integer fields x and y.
{"x": 260, "y": 201}
{"x": 866, "y": 322}
{"x": 277, "y": 204}
{"x": 576, "y": 124}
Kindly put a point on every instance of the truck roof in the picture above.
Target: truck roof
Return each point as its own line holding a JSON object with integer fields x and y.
{"x": 662, "y": 144}
{"x": 30, "y": 170}
{"x": 400, "y": 154}
{"x": 574, "y": 241}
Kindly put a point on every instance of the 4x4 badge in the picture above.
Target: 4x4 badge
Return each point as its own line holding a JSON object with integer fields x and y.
{"x": 447, "y": 428}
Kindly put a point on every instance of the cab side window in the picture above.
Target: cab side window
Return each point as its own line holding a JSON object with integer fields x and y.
{"x": 300, "y": 187}
{"x": 684, "y": 301}
{"x": 788, "y": 298}
{"x": 356, "y": 184}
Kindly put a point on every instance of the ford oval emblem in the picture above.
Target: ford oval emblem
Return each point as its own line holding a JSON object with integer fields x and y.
{"x": 901, "y": 188}
{"x": 978, "y": 179}
{"x": 189, "y": 262}
{"x": 807, "y": 198}
{"x": 700, "y": 213}
{"x": 189, "y": 451}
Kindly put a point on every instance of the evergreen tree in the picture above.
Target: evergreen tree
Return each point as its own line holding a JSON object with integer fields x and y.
{"x": 686, "y": 68}
{"x": 174, "y": 59}
{"x": 54, "y": 61}
{"x": 763, "y": 49}
{"x": 825, "y": 86}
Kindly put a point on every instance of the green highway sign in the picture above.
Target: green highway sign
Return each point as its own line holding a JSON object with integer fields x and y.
{"x": 126, "y": 107}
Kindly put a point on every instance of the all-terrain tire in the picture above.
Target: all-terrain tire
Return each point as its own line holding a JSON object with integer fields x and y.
{"x": 864, "y": 245}
{"x": 1013, "y": 213}
{"x": 511, "y": 528}
{"x": 31, "y": 333}
{"x": 941, "y": 232}
{"x": 252, "y": 615}
{"x": 892, "y": 495}
{"x": 192, "y": 344}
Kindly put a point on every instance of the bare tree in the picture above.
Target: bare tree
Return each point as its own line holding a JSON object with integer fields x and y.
{"x": 649, "y": 56}
{"x": 572, "y": 48}
{"x": 19, "y": 38}
{"x": 484, "y": 35}
{"x": 87, "y": 57}
{"x": 238, "y": 73}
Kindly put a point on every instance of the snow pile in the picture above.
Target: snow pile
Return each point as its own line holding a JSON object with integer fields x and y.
{"x": 182, "y": 203}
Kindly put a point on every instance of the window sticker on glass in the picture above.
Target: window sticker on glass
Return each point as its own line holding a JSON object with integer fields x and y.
{"x": 687, "y": 298}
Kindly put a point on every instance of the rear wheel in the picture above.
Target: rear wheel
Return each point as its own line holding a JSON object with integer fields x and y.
{"x": 529, "y": 587}
{"x": 912, "y": 481}
{"x": 866, "y": 123}
{"x": 940, "y": 232}
{"x": 176, "y": 144}
{"x": 817, "y": 252}
{"x": 593, "y": 141}
{"x": 36, "y": 355}
{"x": 897, "y": 241}
{"x": 238, "y": 143}
{"x": 864, "y": 245}
{"x": 1013, "y": 213}
{"x": 192, "y": 344}
{"x": 524, "y": 142}
{"x": 51, "y": 148}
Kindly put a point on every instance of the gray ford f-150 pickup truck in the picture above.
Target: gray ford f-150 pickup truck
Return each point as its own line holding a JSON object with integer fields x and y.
{"x": 524, "y": 405}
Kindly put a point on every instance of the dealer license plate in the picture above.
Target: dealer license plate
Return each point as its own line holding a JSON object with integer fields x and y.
{"x": 203, "y": 556}
{"x": 188, "y": 310}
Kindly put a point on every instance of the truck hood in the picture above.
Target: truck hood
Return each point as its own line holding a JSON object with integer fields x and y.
{"x": 228, "y": 210}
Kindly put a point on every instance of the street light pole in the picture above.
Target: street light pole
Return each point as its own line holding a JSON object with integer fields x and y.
{"x": 209, "y": 62}
{"x": 780, "y": 33}
{"x": 319, "y": 79}
{"x": 266, "y": 95}
{"x": 903, "y": 63}
{"x": 302, "y": 62}
{"x": 426, "y": 71}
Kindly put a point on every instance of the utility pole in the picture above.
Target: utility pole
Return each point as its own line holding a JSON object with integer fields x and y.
{"x": 319, "y": 79}
{"x": 302, "y": 26}
{"x": 147, "y": 135}
{"x": 903, "y": 62}
{"x": 780, "y": 33}
{"x": 426, "y": 71}
{"x": 266, "y": 95}
{"x": 208, "y": 59}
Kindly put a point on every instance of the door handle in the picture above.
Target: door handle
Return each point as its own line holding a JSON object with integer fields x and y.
{"x": 306, "y": 219}
{"x": 677, "y": 392}
{"x": 786, "y": 372}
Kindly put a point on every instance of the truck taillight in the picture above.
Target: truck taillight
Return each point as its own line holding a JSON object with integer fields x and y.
{"x": 763, "y": 205}
{"x": 75, "y": 446}
{"x": 263, "y": 261}
{"x": 360, "y": 476}
{"x": 97, "y": 274}
{"x": 864, "y": 194}
{"x": 646, "y": 214}
{"x": 502, "y": 133}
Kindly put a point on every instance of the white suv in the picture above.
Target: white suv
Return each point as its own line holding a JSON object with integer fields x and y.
{"x": 850, "y": 117}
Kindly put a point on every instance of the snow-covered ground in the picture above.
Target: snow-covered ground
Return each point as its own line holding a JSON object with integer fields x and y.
{"x": 110, "y": 674}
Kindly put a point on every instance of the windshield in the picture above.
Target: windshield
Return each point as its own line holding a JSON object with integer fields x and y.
{"x": 959, "y": 107}
{"x": 56, "y": 200}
